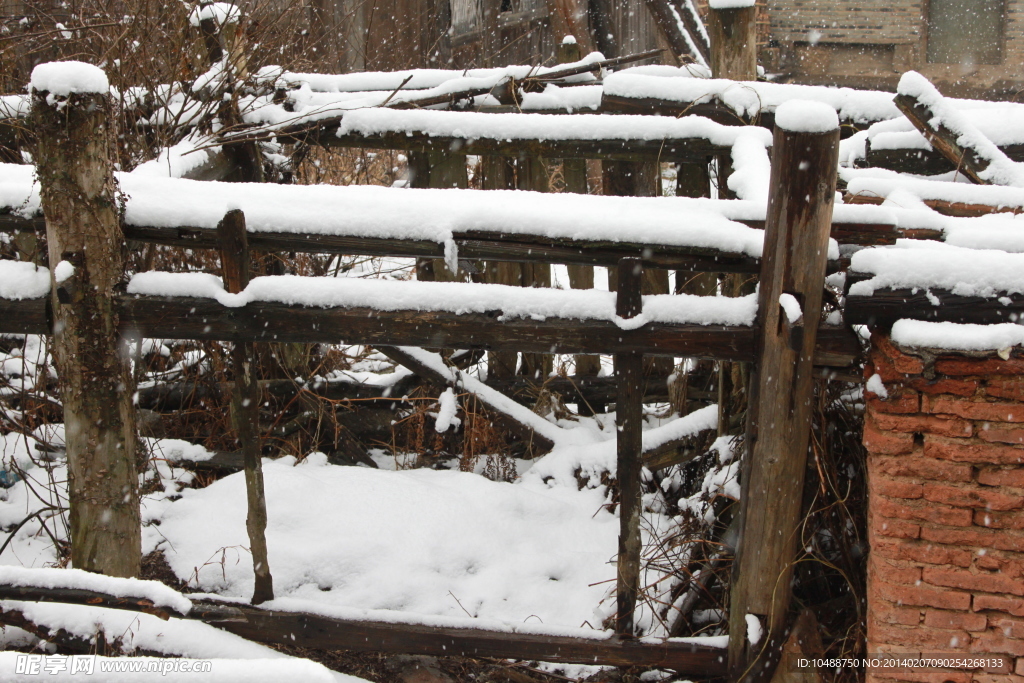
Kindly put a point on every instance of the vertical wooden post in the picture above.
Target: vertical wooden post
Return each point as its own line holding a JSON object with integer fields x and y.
{"x": 74, "y": 155}
{"x": 733, "y": 34}
{"x": 574, "y": 173}
{"x": 803, "y": 184}
{"x": 532, "y": 174}
{"x": 245, "y": 404}
{"x": 629, "y": 374}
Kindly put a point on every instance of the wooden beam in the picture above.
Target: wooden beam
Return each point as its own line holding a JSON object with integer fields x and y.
{"x": 946, "y": 208}
{"x": 959, "y": 148}
{"x": 803, "y": 184}
{"x": 886, "y": 306}
{"x": 923, "y": 161}
{"x": 629, "y": 372}
{"x": 205, "y": 319}
{"x": 330, "y": 634}
{"x": 669, "y": 22}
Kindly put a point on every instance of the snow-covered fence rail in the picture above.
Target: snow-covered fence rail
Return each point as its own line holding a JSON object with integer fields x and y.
{"x": 288, "y": 623}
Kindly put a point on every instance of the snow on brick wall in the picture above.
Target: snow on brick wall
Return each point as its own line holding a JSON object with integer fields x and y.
{"x": 946, "y": 509}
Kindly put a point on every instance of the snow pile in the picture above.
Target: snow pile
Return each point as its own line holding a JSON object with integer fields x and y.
{"x": 420, "y": 542}
{"x": 925, "y": 265}
{"x": 461, "y": 298}
{"x": 1000, "y": 170}
{"x": 806, "y": 116}
{"x": 14, "y": 106}
{"x": 957, "y": 336}
{"x": 221, "y": 12}
{"x": 23, "y": 280}
{"x": 60, "y": 79}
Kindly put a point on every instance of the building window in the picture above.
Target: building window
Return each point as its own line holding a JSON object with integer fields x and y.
{"x": 965, "y": 31}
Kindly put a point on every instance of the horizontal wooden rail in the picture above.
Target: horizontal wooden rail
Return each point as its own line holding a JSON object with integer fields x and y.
{"x": 924, "y": 162}
{"x": 478, "y": 244}
{"x": 327, "y": 633}
{"x": 205, "y": 319}
{"x": 886, "y": 306}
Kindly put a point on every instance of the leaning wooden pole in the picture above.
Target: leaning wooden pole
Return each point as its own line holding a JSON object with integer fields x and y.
{"x": 629, "y": 372}
{"x": 803, "y": 184}
{"x": 72, "y": 115}
{"x": 245, "y": 402}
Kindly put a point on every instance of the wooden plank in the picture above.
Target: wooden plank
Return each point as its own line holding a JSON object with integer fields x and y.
{"x": 629, "y": 372}
{"x": 803, "y": 183}
{"x": 924, "y": 162}
{"x": 946, "y": 208}
{"x": 886, "y": 306}
{"x": 205, "y": 319}
{"x": 245, "y": 403}
{"x": 666, "y": 18}
{"x": 329, "y": 634}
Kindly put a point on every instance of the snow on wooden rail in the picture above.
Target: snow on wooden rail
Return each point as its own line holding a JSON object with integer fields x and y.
{"x": 301, "y": 623}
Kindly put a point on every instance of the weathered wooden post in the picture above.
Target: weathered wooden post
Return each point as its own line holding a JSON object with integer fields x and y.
{"x": 72, "y": 119}
{"x": 629, "y": 374}
{"x": 732, "y": 28}
{"x": 803, "y": 183}
{"x": 245, "y": 404}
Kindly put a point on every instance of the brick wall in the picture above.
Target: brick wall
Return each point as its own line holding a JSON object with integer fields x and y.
{"x": 946, "y": 510}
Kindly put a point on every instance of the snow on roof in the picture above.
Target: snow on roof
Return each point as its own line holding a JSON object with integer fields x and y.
{"x": 806, "y": 116}
{"x": 60, "y": 79}
{"x": 451, "y": 297}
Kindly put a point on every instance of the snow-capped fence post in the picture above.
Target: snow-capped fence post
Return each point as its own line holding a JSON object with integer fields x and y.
{"x": 245, "y": 402}
{"x": 732, "y": 27}
{"x": 72, "y": 118}
{"x": 629, "y": 373}
{"x": 803, "y": 184}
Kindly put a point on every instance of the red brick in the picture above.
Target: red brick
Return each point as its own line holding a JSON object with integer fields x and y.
{"x": 975, "y": 497}
{"x": 973, "y": 410}
{"x": 963, "y": 450}
{"x": 895, "y": 573}
{"x": 931, "y": 639}
{"x": 920, "y": 596}
{"x": 1011, "y": 628}
{"x": 1020, "y": 667}
{"x": 906, "y": 401}
{"x": 959, "y": 578}
{"x": 894, "y": 528}
{"x": 916, "y": 551}
{"x": 988, "y": 432}
{"x": 975, "y": 537}
{"x": 885, "y": 613}
{"x": 885, "y": 442}
{"x": 957, "y": 387}
{"x": 999, "y": 520}
{"x": 997, "y": 643}
{"x": 964, "y": 367}
{"x": 895, "y": 488}
{"x": 1005, "y": 677}
{"x": 964, "y": 621}
{"x": 1005, "y": 388}
{"x": 1000, "y": 476}
{"x": 920, "y": 467}
{"x": 999, "y": 603}
{"x": 884, "y": 368}
{"x": 924, "y": 424}
{"x": 936, "y": 514}
{"x": 905, "y": 363}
